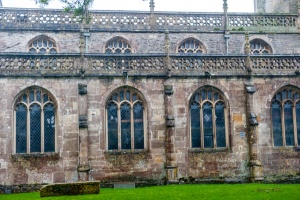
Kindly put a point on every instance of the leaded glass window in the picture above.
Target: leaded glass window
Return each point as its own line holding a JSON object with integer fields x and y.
{"x": 191, "y": 45}
{"x": 285, "y": 111}
{"x": 207, "y": 119}
{"x": 118, "y": 45}
{"x": 125, "y": 120}
{"x": 258, "y": 46}
{"x": 35, "y": 122}
{"x": 42, "y": 45}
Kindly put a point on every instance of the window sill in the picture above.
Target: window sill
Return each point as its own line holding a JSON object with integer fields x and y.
{"x": 217, "y": 150}
{"x": 34, "y": 156}
{"x": 125, "y": 152}
{"x": 287, "y": 148}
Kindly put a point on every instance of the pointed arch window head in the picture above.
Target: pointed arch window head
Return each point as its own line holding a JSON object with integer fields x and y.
{"x": 285, "y": 110}
{"x": 258, "y": 46}
{"x": 42, "y": 45}
{"x": 34, "y": 122}
{"x": 208, "y": 119}
{"x": 192, "y": 46}
{"x": 118, "y": 45}
{"x": 126, "y": 120}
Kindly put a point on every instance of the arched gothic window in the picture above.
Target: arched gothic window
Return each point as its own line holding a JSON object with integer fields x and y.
{"x": 118, "y": 45}
{"x": 35, "y": 122}
{"x": 191, "y": 45}
{"x": 208, "y": 119}
{"x": 285, "y": 110}
{"x": 258, "y": 46}
{"x": 125, "y": 120}
{"x": 43, "y": 45}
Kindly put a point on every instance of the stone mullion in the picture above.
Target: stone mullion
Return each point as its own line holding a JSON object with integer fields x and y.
{"x": 132, "y": 127}
{"x": 201, "y": 128}
{"x": 28, "y": 130}
{"x": 283, "y": 125}
{"x": 42, "y": 130}
{"x": 119, "y": 127}
{"x": 214, "y": 127}
{"x": 295, "y": 125}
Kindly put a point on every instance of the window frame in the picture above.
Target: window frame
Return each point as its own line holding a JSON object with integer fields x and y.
{"x": 186, "y": 50}
{"x": 282, "y": 103}
{"x": 18, "y": 101}
{"x": 119, "y": 103}
{"x": 47, "y": 48}
{"x": 122, "y": 49}
{"x": 263, "y": 46}
{"x": 213, "y": 110}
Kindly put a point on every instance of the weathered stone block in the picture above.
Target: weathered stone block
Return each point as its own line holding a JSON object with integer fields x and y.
{"x": 77, "y": 188}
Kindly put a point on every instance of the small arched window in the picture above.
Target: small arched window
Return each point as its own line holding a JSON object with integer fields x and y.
{"x": 285, "y": 109}
{"x": 191, "y": 45}
{"x": 42, "y": 45}
{"x": 118, "y": 45}
{"x": 125, "y": 120}
{"x": 208, "y": 119}
{"x": 258, "y": 46}
{"x": 35, "y": 122}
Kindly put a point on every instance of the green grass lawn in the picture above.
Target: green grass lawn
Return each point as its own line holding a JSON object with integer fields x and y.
{"x": 185, "y": 192}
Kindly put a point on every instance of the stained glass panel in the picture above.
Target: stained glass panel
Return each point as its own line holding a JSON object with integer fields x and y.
{"x": 125, "y": 126}
{"x": 207, "y": 125}
{"x": 35, "y": 128}
{"x": 276, "y": 122}
{"x": 49, "y": 128}
{"x": 138, "y": 126}
{"x": 195, "y": 125}
{"x": 220, "y": 125}
{"x": 112, "y": 126}
{"x": 288, "y": 123}
{"x": 21, "y": 129}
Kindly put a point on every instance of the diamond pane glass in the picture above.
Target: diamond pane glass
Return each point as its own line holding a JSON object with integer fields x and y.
{"x": 298, "y": 121}
{"x": 112, "y": 126}
{"x": 49, "y": 128}
{"x": 220, "y": 125}
{"x": 288, "y": 123}
{"x": 125, "y": 126}
{"x": 138, "y": 126}
{"x": 207, "y": 125}
{"x": 21, "y": 129}
{"x": 195, "y": 125}
{"x": 276, "y": 122}
{"x": 35, "y": 128}
{"x": 31, "y": 96}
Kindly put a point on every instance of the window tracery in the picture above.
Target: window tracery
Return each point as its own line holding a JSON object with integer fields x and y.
{"x": 285, "y": 109}
{"x": 42, "y": 45}
{"x": 125, "y": 120}
{"x": 35, "y": 122}
{"x": 208, "y": 119}
{"x": 191, "y": 45}
{"x": 118, "y": 45}
{"x": 258, "y": 46}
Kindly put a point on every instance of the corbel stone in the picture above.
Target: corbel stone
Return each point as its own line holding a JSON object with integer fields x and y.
{"x": 82, "y": 89}
{"x": 168, "y": 89}
{"x": 170, "y": 121}
{"x": 83, "y": 121}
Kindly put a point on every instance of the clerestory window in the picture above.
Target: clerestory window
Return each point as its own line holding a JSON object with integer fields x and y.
{"x": 118, "y": 45}
{"x": 208, "y": 119}
{"x": 191, "y": 45}
{"x": 34, "y": 122}
{"x": 258, "y": 46}
{"x": 126, "y": 120}
{"x": 285, "y": 109}
{"x": 42, "y": 45}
